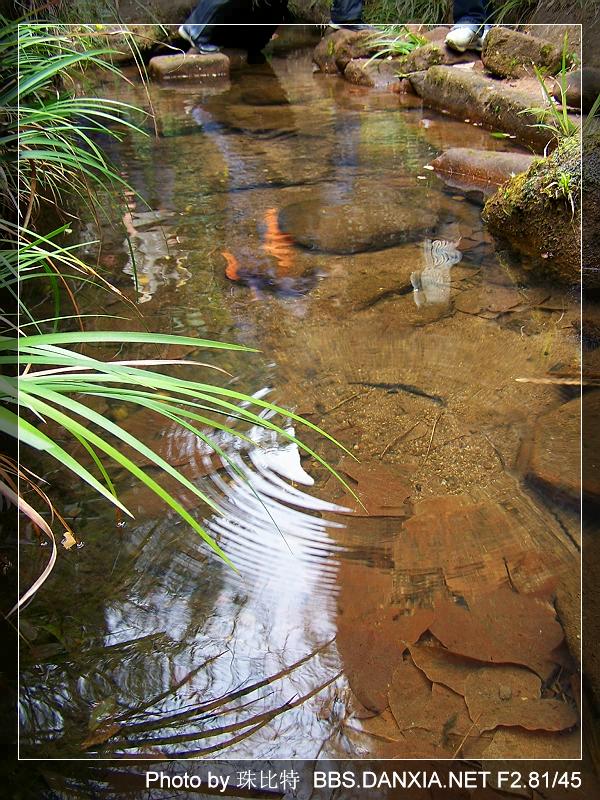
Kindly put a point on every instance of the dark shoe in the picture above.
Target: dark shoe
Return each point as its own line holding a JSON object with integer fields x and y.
{"x": 204, "y": 47}
{"x": 352, "y": 26}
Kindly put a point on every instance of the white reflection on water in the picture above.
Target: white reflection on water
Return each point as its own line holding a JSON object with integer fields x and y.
{"x": 433, "y": 283}
{"x": 278, "y": 609}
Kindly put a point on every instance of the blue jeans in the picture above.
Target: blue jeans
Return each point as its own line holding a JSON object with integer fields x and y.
{"x": 472, "y": 12}
{"x": 466, "y": 11}
{"x": 346, "y": 11}
{"x": 208, "y": 14}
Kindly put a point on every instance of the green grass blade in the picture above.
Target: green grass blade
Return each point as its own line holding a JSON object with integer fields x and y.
{"x": 73, "y": 426}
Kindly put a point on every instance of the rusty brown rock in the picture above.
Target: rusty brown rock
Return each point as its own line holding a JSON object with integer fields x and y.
{"x": 487, "y": 166}
{"x": 370, "y": 221}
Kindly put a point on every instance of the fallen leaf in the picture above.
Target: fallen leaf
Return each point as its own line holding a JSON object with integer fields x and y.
{"x": 408, "y": 693}
{"x": 462, "y": 545}
{"x": 488, "y": 299}
{"x": 68, "y": 541}
{"x": 415, "y": 703}
{"x": 501, "y": 627}
{"x": 442, "y": 666}
{"x": 371, "y": 647}
{"x": 535, "y": 573}
{"x": 511, "y": 696}
{"x": 518, "y": 743}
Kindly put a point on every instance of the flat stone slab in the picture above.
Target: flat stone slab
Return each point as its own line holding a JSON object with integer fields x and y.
{"x": 377, "y": 222}
{"x": 461, "y": 91}
{"x": 485, "y": 166}
{"x": 189, "y": 65}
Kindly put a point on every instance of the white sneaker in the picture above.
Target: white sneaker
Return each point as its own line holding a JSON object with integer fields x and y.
{"x": 466, "y": 37}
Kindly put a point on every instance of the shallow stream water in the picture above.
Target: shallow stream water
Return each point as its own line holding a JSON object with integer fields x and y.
{"x": 382, "y": 313}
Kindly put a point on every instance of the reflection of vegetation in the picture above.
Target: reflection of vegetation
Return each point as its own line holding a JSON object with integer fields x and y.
{"x": 53, "y": 382}
{"x": 202, "y": 728}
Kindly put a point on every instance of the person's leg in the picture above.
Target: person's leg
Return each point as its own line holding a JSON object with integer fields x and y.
{"x": 469, "y": 30}
{"x": 346, "y": 11}
{"x": 348, "y": 14}
{"x": 196, "y": 28}
{"x": 472, "y": 12}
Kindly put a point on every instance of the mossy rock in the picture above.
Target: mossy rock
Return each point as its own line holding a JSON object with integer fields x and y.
{"x": 347, "y": 45}
{"x": 421, "y": 58}
{"x": 510, "y": 54}
{"x": 538, "y": 214}
{"x": 494, "y": 103}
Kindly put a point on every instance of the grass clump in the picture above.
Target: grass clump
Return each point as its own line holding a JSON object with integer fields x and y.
{"x": 395, "y": 40}
{"x": 554, "y": 117}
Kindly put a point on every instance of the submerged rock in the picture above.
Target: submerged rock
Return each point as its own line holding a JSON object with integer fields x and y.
{"x": 381, "y": 221}
{"x": 510, "y": 54}
{"x": 554, "y": 459}
{"x": 538, "y": 213}
{"x": 488, "y": 166}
